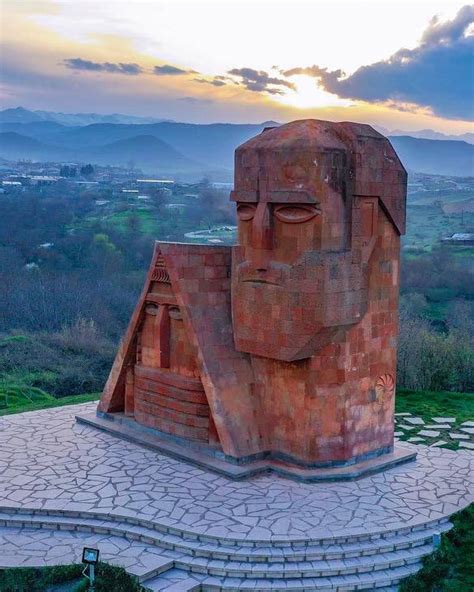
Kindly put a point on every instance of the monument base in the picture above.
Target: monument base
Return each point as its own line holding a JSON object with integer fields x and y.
{"x": 213, "y": 459}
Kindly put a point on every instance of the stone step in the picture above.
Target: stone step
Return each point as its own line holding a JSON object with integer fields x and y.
{"x": 319, "y": 552}
{"x": 159, "y": 566}
{"x": 205, "y": 551}
{"x": 224, "y": 541}
{"x": 177, "y": 580}
{"x": 172, "y": 570}
{"x": 46, "y": 547}
{"x": 303, "y": 569}
{"x": 290, "y": 570}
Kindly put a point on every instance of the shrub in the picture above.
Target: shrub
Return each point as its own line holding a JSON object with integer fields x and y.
{"x": 73, "y": 361}
{"x": 451, "y": 567}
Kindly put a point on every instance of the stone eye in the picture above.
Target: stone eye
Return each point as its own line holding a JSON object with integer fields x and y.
{"x": 246, "y": 211}
{"x": 295, "y": 214}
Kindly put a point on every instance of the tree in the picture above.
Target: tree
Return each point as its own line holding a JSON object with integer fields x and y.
{"x": 67, "y": 171}
{"x": 87, "y": 171}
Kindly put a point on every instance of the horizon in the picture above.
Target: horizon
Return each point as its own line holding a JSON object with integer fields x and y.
{"x": 399, "y": 78}
{"x": 381, "y": 129}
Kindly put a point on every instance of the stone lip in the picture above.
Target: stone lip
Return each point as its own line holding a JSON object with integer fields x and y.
{"x": 151, "y": 439}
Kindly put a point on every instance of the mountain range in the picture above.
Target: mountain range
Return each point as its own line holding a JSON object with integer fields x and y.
{"x": 21, "y": 115}
{"x": 168, "y": 147}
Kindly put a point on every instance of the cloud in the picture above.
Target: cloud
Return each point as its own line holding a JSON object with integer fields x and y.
{"x": 261, "y": 81}
{"x": 114, "y": 68}
{"x": 437, "y": 74}
{"x": 194, "y": 100}
{"x": 122, "y": 68}
{"x": 169, "y": 70}
{"x": 216, "y": 81}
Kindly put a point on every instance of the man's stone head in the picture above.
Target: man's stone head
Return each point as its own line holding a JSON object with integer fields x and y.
{"x": 295, "y": 282}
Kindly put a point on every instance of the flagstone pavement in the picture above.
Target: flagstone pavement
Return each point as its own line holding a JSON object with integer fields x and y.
{"x": 49, "y": 461}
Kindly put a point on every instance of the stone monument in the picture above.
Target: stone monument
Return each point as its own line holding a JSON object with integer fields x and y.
{"x": 278, "y": 353}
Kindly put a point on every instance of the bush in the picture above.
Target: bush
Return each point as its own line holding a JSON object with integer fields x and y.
{"x": 73, "y": 361}
{"x": 115, "y": 579}
{"x": 451, "y": 567}
{"x": 434, "y": 360}
{"x": 29, "y": 579}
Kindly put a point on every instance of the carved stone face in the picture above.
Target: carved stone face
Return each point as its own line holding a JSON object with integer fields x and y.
{"x": 292, "y": 231}
{"x": 307, "y": 196}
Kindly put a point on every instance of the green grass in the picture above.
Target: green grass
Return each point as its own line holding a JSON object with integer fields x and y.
{"x": 31, "y": 579}
{"x": 426, "y": 404}
{"x": 427, "y": 224}
{"x": 20, "y": 405}
{"x": 147, "y": 222}
{"x": 451, "y": 567}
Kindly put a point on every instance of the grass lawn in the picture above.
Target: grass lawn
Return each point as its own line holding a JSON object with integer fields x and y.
{"x": 428, "y": 404}
{"x": 147, "y": 222}
{"x": 451, "y": 567}
{"x": 66, "y": 578}
{"x": 20, "y": 399}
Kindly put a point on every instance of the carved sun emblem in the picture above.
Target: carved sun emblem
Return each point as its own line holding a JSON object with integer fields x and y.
{"x": 385, "y": 385}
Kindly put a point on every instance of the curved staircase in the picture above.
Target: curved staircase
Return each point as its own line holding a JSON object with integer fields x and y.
{"x": 186, "y": 561}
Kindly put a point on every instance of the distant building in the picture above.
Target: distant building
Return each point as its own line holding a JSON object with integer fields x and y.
{"x": 460, "y": 238}
{"x": 157, "y": 181}
{"x": 42, "y": 179}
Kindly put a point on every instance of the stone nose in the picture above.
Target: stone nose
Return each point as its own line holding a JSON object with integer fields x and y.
{"x": 262, "y": 237}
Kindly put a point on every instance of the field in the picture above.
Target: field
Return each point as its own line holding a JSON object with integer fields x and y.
{"x": 437, "y": 207}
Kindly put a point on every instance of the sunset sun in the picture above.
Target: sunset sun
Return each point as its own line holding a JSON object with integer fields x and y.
{"x": 308, "y": 94}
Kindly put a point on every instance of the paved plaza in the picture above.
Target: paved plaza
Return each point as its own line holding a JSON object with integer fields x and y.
{"x": 57, "y": 475}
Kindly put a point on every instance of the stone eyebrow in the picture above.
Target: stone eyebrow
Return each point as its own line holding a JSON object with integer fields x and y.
{"x": 278, "y": 196}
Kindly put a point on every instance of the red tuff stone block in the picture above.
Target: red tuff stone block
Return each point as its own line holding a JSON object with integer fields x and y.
{"x": 285, "y": 344}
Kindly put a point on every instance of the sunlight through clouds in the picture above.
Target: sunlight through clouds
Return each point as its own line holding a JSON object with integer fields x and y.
{"x": 219, "y": 61}
{"x": 309, "y": 94}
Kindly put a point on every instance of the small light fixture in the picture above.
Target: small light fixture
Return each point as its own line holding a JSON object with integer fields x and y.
{"x": 90, "y": 557}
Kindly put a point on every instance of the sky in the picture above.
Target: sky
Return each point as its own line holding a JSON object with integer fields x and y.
{"x": 401, "y": 65}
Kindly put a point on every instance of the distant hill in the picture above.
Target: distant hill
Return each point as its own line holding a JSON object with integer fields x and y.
{"x": 14, "y": 146}
{"x": 187, "y": 147}
{"x": 429, "y": 134}
{"x": 211, "y": 144}
{"x": 146, "y": 151}
{"x": 436, "y": 157}
{"x": 21, "y": 115}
